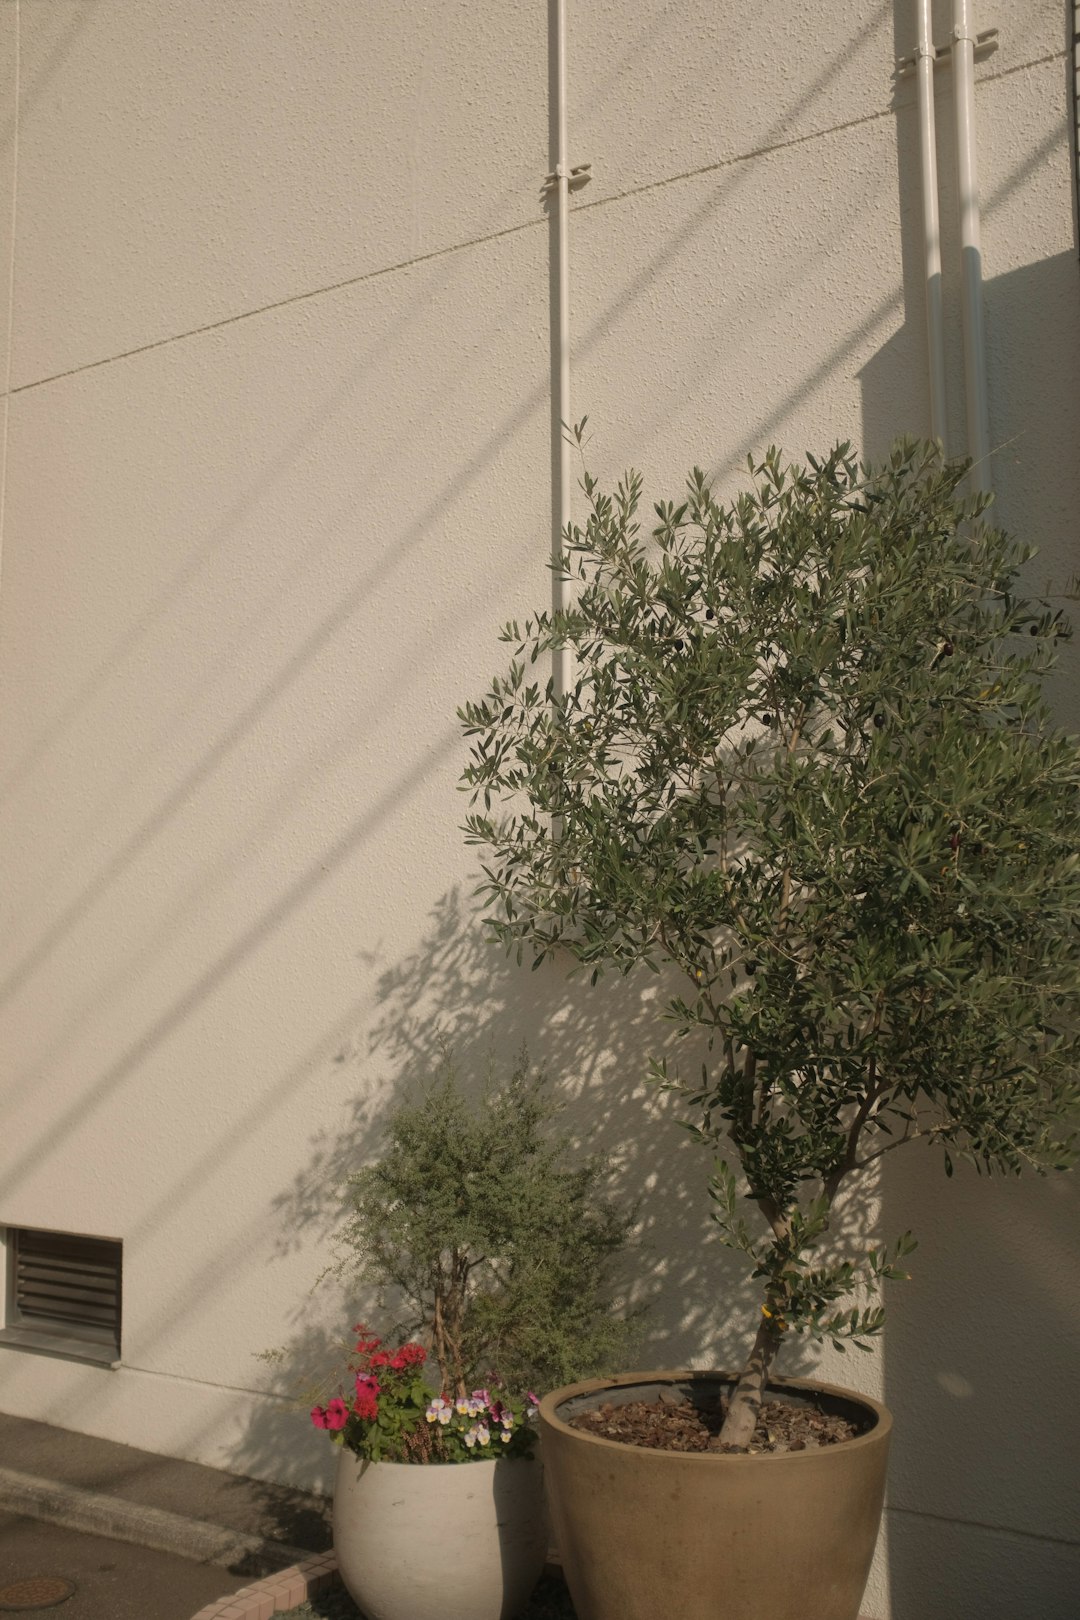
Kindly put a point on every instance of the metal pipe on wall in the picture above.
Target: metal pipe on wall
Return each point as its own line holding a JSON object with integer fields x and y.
{"x": 935, "y": 319}
{"x": 557, "y": 187}
{"x": 556, "y": 190}
{"x": 562, "y": 196}
{"x": 964, "y": 40}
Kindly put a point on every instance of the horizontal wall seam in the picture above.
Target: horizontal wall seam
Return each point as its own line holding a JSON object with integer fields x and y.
{"x": 1019, "y": 67}
{"x": 980, "y": 1524}
{"x": 494, "y": 236}
{"x": 798, "y": 140}
{"x": 733, "y": 162}
{"x": 280, "y": 303}
{"x": 210, "y": 1383}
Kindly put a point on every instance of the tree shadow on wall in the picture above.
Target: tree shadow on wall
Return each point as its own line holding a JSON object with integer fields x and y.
{"x": 458, "y": 992}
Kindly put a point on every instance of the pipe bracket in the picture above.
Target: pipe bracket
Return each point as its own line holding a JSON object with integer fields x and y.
{"x": 985, "y": 42}
{"x": 575, "y": 178}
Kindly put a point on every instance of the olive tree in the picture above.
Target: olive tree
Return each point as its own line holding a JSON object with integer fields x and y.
{"x": 804, "y": 758}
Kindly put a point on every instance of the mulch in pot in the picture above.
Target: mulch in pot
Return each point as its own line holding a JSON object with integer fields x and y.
{"x": 676, "y": 1424}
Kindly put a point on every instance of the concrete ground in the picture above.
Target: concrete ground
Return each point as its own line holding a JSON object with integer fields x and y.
{"x": 114, "y": 1580}
{"x": 143, "y": 1537}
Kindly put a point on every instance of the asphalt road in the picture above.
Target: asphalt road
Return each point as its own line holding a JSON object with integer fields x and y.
{"x": 114, "y": 1580}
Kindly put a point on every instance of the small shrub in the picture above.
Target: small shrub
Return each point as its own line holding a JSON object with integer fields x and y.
{"x": 498, "y": 1246}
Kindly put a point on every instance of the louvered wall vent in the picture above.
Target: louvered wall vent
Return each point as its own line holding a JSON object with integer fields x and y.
{"x": 64, "y": 1294}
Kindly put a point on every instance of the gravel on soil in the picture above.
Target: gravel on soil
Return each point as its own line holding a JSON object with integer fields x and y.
{"x": 674, "y": 1424}
{"x": 550, "y": 1601}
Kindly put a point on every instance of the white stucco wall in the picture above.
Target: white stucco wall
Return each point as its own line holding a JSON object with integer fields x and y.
{"x": 277, "y": 465}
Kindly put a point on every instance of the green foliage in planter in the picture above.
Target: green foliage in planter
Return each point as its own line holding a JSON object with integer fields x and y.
{"x": 500, "y": 1247}
{"x": 803, "y": 757}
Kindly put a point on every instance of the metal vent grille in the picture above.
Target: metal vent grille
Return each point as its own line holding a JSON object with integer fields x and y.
{"x": 65, "y": 1293}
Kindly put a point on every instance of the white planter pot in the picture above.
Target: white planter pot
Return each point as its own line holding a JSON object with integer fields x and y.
{"x": 439, "y": 1541}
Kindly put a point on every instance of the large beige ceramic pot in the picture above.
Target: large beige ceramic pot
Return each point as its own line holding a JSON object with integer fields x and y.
{"x": 439, "y": 1541}
{"x": 708, "y": 1536}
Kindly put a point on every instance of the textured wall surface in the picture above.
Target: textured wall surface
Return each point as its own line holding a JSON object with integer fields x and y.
{"x": 276, "y": 464}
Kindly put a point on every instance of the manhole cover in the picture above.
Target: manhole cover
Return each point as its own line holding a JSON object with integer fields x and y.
{"x": 42, "y": 1592}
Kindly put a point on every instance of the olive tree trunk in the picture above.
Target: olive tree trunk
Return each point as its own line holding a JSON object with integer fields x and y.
{"x": 745, "y": 1403}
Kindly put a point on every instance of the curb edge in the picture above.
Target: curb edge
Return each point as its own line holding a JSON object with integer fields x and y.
{"x": 96, "y": 1513}
{"x": 276, "y": 1593}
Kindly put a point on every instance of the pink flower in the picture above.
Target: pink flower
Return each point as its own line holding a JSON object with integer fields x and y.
{"x": 318, "y": 1417}
{"x": 366, "y": 1406}
{"x": 532, "y": 1399}
{"x": 337, "y": 1414}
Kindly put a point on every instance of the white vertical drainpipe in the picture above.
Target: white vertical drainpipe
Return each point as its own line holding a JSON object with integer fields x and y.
{"x": 557, "y": 185}
{"x": 562, "y": 411}
{"x": 935, "y": 320}
{"x": 963, "y": 62}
